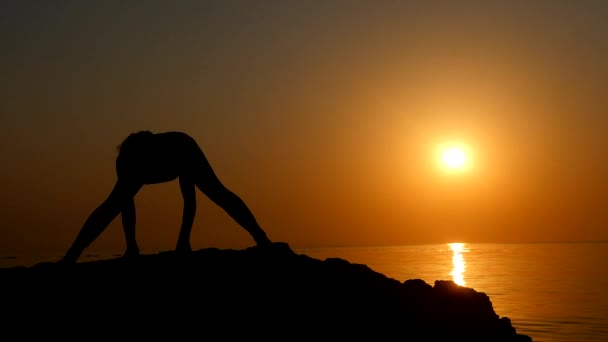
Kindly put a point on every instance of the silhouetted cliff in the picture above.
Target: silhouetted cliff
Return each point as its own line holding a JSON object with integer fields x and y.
{"x": 270, "y": 293}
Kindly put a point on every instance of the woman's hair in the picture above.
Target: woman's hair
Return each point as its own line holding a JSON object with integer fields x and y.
{"x": 133, "y": 140}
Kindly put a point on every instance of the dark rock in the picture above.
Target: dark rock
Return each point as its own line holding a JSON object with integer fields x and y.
{"x": 270, "y": 293}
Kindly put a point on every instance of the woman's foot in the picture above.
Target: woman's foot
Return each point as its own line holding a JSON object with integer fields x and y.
{"x": 131, "y": 253}
{"x": 263, "y": 241}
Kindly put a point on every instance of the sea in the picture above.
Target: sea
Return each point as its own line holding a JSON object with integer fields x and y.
{"x": 550, "y": 291}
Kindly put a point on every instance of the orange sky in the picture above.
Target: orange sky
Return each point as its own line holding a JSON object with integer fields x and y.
{"x": 322, "y": 116}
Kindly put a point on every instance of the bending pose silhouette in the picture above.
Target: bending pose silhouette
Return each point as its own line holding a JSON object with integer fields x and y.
{"x": 151, "y": 158}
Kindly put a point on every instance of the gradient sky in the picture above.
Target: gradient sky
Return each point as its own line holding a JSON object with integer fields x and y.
{"x": 322, "y": 115}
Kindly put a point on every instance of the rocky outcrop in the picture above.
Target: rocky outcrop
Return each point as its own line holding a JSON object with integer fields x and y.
{"x": 270, "y": 293}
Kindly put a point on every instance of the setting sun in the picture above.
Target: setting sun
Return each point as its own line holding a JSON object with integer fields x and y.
{"x": 454, "y": 157}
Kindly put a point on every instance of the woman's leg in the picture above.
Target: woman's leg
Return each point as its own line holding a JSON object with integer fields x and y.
{"x": 189, "y": 195}
{"x": 100, "y": 218}
{"x": 128, "y": 226}
{"x": 206, "y": 180}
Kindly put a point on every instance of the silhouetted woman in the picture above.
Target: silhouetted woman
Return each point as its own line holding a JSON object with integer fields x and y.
{"x": 150, "y": 158}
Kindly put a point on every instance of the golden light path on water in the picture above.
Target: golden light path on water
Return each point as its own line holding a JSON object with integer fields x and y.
{"x": 458, "y": 262}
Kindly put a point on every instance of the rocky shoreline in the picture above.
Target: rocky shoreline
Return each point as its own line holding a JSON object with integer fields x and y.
{"x": 270, "y": 293}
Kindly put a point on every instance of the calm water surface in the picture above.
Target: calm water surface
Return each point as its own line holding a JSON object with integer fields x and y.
{"x": 551, "y": 292}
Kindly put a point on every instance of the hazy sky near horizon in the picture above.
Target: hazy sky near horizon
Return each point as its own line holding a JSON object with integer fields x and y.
{"x": 322, "y": 115}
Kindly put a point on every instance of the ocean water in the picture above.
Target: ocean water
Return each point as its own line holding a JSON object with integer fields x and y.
{"x": 551, "y": 292}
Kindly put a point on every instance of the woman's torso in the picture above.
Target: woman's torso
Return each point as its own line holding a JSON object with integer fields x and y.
{"x": 151, "y": 158}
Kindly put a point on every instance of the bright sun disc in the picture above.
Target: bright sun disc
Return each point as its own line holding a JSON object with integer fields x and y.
{"x": 454, "y": 158}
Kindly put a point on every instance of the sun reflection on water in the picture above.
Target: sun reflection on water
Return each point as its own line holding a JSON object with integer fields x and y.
{"x": 458, "y": 262}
